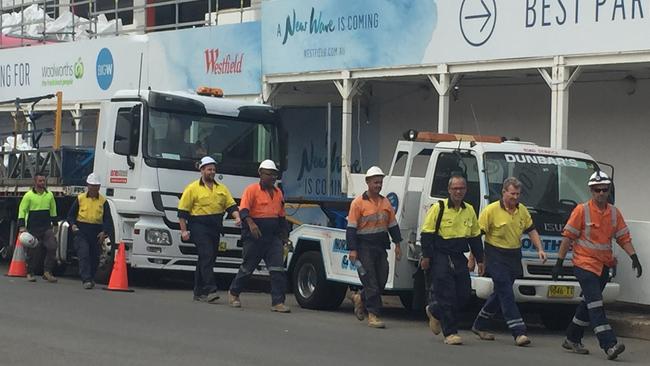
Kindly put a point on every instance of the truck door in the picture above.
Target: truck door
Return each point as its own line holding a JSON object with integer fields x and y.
{"x": 444, "y": 165}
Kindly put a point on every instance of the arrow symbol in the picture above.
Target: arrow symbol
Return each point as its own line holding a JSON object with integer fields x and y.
{"x": 487, "y": 15}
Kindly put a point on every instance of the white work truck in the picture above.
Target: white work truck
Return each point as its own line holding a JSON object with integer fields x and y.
{"x": 146, "y": 152}
{"x": 554, "y": 182}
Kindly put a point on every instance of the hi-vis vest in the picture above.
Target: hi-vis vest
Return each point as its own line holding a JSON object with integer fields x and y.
{"x": 593, "y": 237}
{"x": 91, "y": 210}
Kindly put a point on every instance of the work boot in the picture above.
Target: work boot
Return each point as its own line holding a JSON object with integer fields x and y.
{"x": 575, "y": 347}
{"x": 453, "y": 339}
{"x": 212, "y": 297}
{"x": 434, "y": 323}
{"x": 280, "y": 308}
{"x": 486, "y": 336}
{"x": 49, "y": 277}
{"x": 375, "y": 322}
{"x": 522, "y": 340}
{"x": 31, "y": 278}
{"x": 359, "y": 309}
{"x": 233, "y": 300}
{"x": 88, "y": 285}
{"x": 615, "y": 350}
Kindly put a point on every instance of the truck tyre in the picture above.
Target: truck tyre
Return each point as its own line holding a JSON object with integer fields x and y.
{"x": 310, "y": 286}
{"x": 557, "y": 316}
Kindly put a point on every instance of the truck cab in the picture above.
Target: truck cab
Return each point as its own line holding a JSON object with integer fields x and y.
{"x": 553, "y": 183}
{"x": 146, "y": 153}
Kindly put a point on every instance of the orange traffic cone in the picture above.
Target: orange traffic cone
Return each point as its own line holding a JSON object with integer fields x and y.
{"x": 18, "y": 266}
{"x": 119, "y": 280}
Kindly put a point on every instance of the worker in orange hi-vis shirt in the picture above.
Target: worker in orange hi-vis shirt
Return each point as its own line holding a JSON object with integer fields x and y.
{"x": 592, "y": 227}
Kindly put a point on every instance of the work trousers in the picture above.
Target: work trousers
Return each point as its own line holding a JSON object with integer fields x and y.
{"x": 46, "y": 247}
{"x": 272, "y": 251}
{"x": 451, "y": 287}
{"x": 375, "y": 265}
{"x": 503, "y": 277}
{"x": 206, "y": 240}
{"x": 590, "y": 311}
{"x": 88, "y": 250}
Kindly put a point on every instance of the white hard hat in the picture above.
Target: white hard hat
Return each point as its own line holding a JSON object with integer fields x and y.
{"x": 599, "y": 178}
{"x": 27, "y": 240}
{"x": 93, "y": 179}
{"x": 374, "y": 171}
{"x": 206, "y": 160}
{"x": 268, "y": 164}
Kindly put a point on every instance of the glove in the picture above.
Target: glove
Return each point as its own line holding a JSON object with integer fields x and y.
{"x": 557, "y": 269}
{"x": 636, "y": 265}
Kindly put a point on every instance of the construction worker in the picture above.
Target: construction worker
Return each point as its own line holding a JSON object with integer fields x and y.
{"x": 592, "y": 227}
{"x": 264, "y": 232}
{"x": 503, "y": 222}
{"x": 201, "y": 209}
{"x": 449, "y": 230}
{"x": 37, "y": 215}
{"x": 370, "y": 220}
{"x": 91, "y": 223}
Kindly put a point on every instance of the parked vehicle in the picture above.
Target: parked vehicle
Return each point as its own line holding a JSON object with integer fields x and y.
{"x": 553, "y": 184}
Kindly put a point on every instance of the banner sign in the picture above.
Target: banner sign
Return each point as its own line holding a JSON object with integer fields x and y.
{"x": 228, "y": 57}
{"x": 315, "y": 35}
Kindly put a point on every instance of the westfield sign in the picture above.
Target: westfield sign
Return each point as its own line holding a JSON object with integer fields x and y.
{"x": 216, "y": 63}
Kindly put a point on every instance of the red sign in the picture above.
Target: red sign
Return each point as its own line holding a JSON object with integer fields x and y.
{"x": 230, "y": 64}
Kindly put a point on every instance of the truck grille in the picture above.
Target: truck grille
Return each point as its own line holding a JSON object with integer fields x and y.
{"x": 542, "y": 270}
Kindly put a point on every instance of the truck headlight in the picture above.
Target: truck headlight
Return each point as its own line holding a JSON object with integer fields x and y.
{"x": 158, "y": 236}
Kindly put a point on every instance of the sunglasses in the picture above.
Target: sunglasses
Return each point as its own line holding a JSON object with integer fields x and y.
{"x": 600, "y": 190}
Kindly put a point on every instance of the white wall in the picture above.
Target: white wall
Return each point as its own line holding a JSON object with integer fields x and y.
{"x": 604, "y": 121}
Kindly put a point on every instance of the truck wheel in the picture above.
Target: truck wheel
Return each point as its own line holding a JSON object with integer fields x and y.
{"x": 310, "y": 286}
{"x": 557, "y": 316}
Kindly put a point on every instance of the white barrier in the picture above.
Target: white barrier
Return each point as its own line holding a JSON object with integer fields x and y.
{"x": 635, "y": 290}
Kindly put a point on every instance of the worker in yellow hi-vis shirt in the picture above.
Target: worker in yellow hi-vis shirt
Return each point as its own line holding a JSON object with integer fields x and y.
{"x": 504, "y": 222}
{"x": 201, "y": 209}
{"x": 450, "y": 229}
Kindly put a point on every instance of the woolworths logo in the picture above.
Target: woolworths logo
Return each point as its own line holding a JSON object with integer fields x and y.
{"x": 62, "y": 75}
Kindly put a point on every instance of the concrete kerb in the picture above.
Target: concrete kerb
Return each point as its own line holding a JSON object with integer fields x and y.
{"x": 629, "y": 320}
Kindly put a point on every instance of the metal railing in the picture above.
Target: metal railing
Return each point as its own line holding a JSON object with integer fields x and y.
{"x": 143, "y": 15}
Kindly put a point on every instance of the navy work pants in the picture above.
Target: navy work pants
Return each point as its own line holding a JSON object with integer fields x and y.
{"x": 272, "y": 251}
{"x": 590, "y": 311}
{"x": 375, "y": 264}
{"x": 46, "y": 243}
{"x": 206, "y": 240}
{"x": 503, "y": 297}
{"x": 88, "y": 251}
{"x": 451, "y": 287}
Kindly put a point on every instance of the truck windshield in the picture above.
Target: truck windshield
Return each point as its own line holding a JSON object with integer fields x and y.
{"x": 550, "y": 184}
{"x": 238, "y": 146}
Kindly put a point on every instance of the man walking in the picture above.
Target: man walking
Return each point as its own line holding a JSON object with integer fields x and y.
{"x": 37, "y": 215}
{"x": 264, "y": 232}
{"x": 503, "y": 223}
{"x": 370, "y": 220}
{"x": 592, "y": 227}
{"x": 201, "y": 209}
{"x": 449, "y": 230}
{"x": 91, "y": 223}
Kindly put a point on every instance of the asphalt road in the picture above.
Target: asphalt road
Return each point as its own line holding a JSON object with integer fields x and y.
{"x": 159, "y": 324}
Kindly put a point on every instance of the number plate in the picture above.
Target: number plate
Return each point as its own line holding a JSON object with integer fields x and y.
{"x": 222, "y": 246}
{"x": 560, "y": 291}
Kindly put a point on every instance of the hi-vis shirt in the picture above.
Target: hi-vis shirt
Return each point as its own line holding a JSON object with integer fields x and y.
{"x": 37, "y": 211}
{"x": 203, "y": 205}
{"x": 370, "y": 222}
{"x": 458, "y": 229}
{"x": 593, "y": 231}
{"x": 503, "y": 229}
{"x": 91, "y": 210}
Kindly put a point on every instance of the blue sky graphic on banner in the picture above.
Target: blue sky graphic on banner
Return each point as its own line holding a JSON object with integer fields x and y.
{"x": 227, "y": 56}
{"x": 307, "y": 35}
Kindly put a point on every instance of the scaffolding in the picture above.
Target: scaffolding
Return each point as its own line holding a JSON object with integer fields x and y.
{"x": 100, "y": 18}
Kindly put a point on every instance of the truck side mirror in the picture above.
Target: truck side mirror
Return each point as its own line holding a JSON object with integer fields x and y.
{"x": 122, "y": 143}
{"x": 127, "y": 132}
